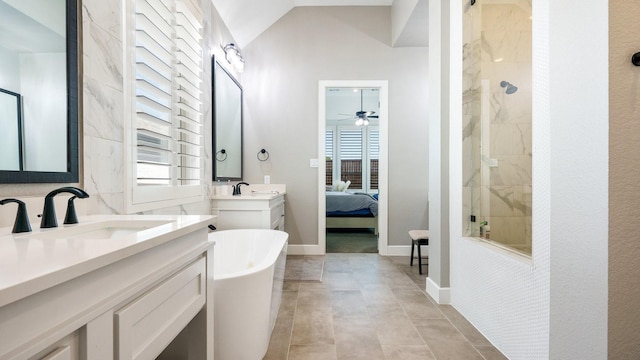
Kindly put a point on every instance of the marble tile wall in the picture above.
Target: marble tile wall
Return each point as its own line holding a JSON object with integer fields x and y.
{"x": 497, "y": 126}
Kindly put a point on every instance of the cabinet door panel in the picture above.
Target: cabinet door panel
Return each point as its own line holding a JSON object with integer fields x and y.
{"x": 147, "y": 325}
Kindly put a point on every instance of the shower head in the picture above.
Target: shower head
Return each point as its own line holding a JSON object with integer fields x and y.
{"x": 510, "y": 88}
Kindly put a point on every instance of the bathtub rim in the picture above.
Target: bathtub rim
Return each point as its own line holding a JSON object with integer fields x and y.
{"x": 269, "y": 259}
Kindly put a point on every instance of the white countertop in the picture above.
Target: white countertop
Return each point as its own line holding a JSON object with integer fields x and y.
{"x": 31, "y": 262}
{"x": 250, "y": 196}
{"x": 251, "y": 192}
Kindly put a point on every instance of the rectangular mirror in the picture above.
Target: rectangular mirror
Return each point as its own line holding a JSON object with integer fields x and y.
{"x": 227, "y": 125}
{"x": 38, "y": 60}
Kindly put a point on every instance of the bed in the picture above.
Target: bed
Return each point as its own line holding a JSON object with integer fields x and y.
{"x": 351, "y": 211}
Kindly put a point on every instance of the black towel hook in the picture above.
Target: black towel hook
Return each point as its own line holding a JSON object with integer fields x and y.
{"x": 262, "y": 155}
{"x": 635, "y": 59}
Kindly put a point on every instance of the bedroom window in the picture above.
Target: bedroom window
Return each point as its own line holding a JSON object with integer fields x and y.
{"x": 352, "y": 154}
{"x": 165, "y": 46}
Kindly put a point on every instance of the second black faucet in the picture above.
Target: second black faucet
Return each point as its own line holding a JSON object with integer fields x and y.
{"x": 236, "y": 188}
{"x": 49, "y": 212}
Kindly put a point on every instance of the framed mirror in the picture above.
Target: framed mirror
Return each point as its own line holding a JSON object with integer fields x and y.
{"x": 227, "y": 125}
{"x": 38, "y": 61}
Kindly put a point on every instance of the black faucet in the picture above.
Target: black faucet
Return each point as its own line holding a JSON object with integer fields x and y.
{"x": 236, "y": 188}
{"x": 22, "y": 218}
{"x": 49, "y": 211}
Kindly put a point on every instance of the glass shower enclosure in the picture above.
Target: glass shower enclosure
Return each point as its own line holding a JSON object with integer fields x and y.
{"x": 497, "y": 150}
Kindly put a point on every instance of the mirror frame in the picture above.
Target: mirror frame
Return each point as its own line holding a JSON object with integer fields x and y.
{"x": 71, "y": 175}
{"x": 214, "y": 73}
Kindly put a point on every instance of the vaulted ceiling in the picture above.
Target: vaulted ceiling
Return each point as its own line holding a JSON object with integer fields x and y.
{"x": 247, "y": 19}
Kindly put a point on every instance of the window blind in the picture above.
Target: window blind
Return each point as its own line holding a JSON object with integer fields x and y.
{"x": 351, "y": 144}
{"x": 168, "y": 72}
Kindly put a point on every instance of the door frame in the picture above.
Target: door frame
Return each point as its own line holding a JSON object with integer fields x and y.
{"x": 383, "y": 161}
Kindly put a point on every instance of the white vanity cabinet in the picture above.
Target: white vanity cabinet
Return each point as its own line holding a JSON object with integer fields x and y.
{"x": 259, "y": 211}
{"x": 127, "y": 304}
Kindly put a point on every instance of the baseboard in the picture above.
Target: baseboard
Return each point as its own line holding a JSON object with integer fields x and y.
{"x": 304, "y": 250}
{"x": 399, "y": 250}
{"x": 440, "y": 295}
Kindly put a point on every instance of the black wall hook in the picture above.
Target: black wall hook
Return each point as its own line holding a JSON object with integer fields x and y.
{"x": 635, "y": 59}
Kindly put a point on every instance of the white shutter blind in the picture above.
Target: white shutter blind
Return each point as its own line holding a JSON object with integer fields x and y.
{"x": 374, "y": 144}
{"x": 351, "y": 144}
{"x": 168, "y": 72}
{"x": 328, "y": 144}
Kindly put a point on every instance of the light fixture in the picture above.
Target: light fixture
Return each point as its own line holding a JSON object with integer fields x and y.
{"x": 233, "y": 57}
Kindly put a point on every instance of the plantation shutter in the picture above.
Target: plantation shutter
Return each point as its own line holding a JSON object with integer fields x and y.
{"x": 328, "y": 149}
{"x": 351, "y": 144}
{"x": 168, "y": 73}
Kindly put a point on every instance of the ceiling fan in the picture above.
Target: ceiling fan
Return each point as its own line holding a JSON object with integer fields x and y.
{"x": 362, "y": 117}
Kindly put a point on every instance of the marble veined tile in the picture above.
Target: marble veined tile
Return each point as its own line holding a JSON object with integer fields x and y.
{"x": 522, "y": 200}
{"x": 507, "y": 17}
{"x": 512, "y": 170}
{"x": 103, "y": 160}
{"x": 103, "y": 111}
{"x": 501, "y": 199}
{"x": 105, "y": 14}
{"x": 102, "y": 57}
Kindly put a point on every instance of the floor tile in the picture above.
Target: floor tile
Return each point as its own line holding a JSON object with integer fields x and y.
{"x": 407, "y": 352}
{"x": 312, "y": 352}
{"x": 370, "y": 307}
{"x": 396, "y": 329}
{"x": 464, "y": 326}
{"x": 346, "y": 303}
{"x": 320, "y": 297}
{"x": 446, "y": 342}
{"x": 312, "y": 325}
{"x": 342, "y": 281}
{"x": 490, "y": 353}
{"x": 280, "y": 339}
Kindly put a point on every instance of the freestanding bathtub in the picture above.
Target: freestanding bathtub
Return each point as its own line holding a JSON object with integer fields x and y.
{"x": 248, "y": 274}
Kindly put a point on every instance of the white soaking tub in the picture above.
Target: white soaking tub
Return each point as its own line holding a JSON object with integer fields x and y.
{"x": 248, "y": 276}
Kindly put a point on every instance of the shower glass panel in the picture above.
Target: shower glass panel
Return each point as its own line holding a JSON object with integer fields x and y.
{"x": 497, "y": 149}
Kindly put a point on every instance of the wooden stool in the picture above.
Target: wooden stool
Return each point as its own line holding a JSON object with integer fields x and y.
{"x": 418, "y": 238}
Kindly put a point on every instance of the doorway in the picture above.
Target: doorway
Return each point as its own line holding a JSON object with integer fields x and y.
{"x": 352, "y": 146}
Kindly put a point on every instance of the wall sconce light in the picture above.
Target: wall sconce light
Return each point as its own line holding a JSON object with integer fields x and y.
{"x": 233, "y": 57}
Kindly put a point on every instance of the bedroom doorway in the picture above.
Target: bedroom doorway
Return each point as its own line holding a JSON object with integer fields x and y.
{"x": 353, "y": 168}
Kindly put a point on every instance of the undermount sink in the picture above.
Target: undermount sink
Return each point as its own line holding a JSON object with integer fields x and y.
{"x": 101, "y": 230}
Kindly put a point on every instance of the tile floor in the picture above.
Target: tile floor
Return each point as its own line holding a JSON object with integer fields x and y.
{"x": 371, "y": 307}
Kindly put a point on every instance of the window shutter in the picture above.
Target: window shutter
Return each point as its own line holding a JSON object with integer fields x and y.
{"x": 167, "y": 120}
{"x": 351, "y": 144}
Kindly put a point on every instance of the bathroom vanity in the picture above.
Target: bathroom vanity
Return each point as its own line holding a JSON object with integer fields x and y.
{"x": 258, "y": 207}
{"x": 111, "y": 287}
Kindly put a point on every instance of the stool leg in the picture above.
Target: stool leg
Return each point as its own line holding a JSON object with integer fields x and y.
{"x": 419, "y": 260}
{"x": 413, "y": 244}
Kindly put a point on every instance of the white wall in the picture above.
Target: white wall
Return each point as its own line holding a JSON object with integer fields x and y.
{"x": 283, "y": 67}
{"x": 10, "y": 75}
{"x": 556, "y": 306}
{"x": 44, "y": 117}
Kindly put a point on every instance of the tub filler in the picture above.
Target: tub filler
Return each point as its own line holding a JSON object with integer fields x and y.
{"x": 248, "y": 277}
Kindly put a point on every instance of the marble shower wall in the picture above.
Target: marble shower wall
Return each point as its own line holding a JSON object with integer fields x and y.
{"x": 497, "y": 126}
{"x": 103, "y": 115}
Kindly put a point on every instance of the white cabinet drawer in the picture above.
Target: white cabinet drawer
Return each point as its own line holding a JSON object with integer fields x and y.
{"x": 149, "y": 323}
